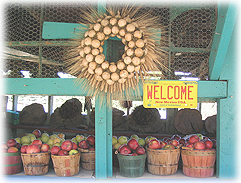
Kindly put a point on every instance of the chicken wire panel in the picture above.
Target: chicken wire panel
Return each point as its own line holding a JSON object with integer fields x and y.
{"x": 189, "y": 30}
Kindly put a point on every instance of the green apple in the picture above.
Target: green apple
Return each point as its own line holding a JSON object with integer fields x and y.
{"x": 79, "y": 138}
{"x": 32, "y": 138}
{"x": 57, "y": 144}
{"x": 116, "y": 145}
{"x": 114, "y": 140}
{"x": 134, "y": 136}
{"x": 45, "y": 134}
{"x": 54, "y": 136}
{"x": 141, "y": 142}
{"x": 18, "y": 140}
{"x": 25, "y": 140}
{"x": 200, "y": 136}
{"x": 44, "y": 139}
{"x": 73, "y": 151}
{"x": 50, "y": 142}
{"x": 31, "y": 135}
{"x": 122, "y": 140}
{"x": 74, "y": 140}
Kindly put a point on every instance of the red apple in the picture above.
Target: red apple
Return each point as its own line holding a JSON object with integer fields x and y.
{"x": 189, "y": 145}
{"x": 55, "y": 150}
{"x": 133, "y": 144}
{"x": 37, "y": 142}
{"x": 91, "y": 139}
{"x": 134, "y": 154}
{"x": 163, "y": 143}
{"x": 182, "y": 141}
{"x": 12, "y": 150}
{"x": 63, "y": 153}
{"x": 205, "y": 138}
{"x": 37, "y": 133}
{"x": 45, "y": 148}
{"x": 24, "y": 148}
{"x": 11, "y": 143}
{"x": 154, "y": 144}
{"x": 75, "y": 146}
{"x": 84, "y": 144}
{"x": 177, "y": 137}
{"x": 174, "y": 142}
{"x": 67, "y": 145}
{"x": 140, "y": 150}
{"x": 125, "y": 150}
{"x": 199, "y": 145}
{"x": 32, "y": 149}
{"x": 208, "y": 144}
{"x": 193, "y": 139}
{"x": 92, "y": 149}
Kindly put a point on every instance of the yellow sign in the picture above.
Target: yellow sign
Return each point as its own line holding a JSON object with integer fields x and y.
{"x": 170, "y": 94}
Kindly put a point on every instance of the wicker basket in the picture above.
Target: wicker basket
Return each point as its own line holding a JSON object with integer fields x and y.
{"x": 35, "y": 164}
{"x": 198, "y": 163}
{"x": 163, "y": 162}
{"x": 66, "y": 166}
{"x": 12, "y": 163}
{"x": 87, "y": 159}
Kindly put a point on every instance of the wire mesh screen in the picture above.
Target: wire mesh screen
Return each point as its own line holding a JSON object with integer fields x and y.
{"x": 189, "y": 30}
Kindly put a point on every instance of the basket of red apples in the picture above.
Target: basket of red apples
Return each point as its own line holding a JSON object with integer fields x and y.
{"x": 12, "y": 157}
{"x": 65, "y": 159}
{"x": 131, "y": 157}
{"x": 198, "y": 156}
{"x": 87, "y": 149}
{"x": 163, "y": 156}
{"x": 35, "y": 158}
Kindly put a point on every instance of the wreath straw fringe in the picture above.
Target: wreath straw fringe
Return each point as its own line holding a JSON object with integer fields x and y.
{"x": 137, "y": 30}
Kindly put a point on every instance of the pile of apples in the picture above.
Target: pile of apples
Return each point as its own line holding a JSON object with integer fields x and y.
{"x": 67, "y": 148}
{"x": 88, "y": 143}
{"x": 130, "y": 147}
{"x": 199, "y": 142}
{"x": 165, "y": 144}
{"x": 11, "y": 146}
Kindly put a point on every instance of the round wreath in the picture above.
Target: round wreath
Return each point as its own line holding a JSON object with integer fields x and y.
{"x": 141, "y": 52}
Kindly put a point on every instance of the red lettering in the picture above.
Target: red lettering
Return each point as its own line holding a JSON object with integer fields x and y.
{"x": 149, "y": 93}
{"x": 189, "y": 91}
{"x": 155, "y": 92}
{"x": 161, "y": 94}
{"x": 176, "y": 92}
{"x": 168, "y": 92}
{"x": 183, "y": 91}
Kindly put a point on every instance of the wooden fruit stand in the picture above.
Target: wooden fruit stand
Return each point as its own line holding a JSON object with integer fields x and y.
{"x": 220, "y": 86}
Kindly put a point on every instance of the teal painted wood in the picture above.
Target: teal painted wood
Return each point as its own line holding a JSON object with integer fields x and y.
{"x": 225, "y": 24}
{"x": 227, "y": 119}
{"x": 61, "y": 30}
{"x": 71, "y": 87}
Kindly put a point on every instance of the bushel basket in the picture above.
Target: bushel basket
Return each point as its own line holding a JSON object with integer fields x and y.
{"x": 12, "y": 163}
{"x": 198, "y": 163}
{"x": 87, "y": 159}
{"x": 36, "y": 163}
{"x": 162, "y": 162}
{"x": 66, "y": 166}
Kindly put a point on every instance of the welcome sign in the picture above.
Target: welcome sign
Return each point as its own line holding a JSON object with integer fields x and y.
{"x": 170, "y": 94}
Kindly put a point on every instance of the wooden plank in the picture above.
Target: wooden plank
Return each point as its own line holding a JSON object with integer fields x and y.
{"x": 61, "y": 30}
{"x": 225, "y": 25}
{"x": 69, "y": 86}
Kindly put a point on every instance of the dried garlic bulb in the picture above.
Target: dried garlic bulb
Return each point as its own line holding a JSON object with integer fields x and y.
{"x": 86, "y": 33}
{"x": 113, "y": 21}
{"x": 139, "y": 52}
{"x": 137, "y": 34}
{"x": 121, "y": 80}
{"x": 92, "y": 33}
{"x": 96, "y": 43}
{"x": 107, "y": 30}
{"x": 122, "y": 22}
{"x": 129, "y": 52}
{"x": 123, "y": 73}
{"x": 95, "y": 51}
{"x": 122, "y": 32}
{"x": 92, "y": 65}
{"x": 89, "y": 57}
{"x": 87, "y": 49}
{"x": 140, "y": 43}
{"x": 81, "y": 52}
{"x": 105, "y": 65}
{"x": 120, "y": 65}
{"x": 112, "y": 67}
{"x": 127, "y": 60}
{"x": 97, "y": 27}
{"x": 114, "y": 76}
{"x": 91, "y": 71}
{"x": 100, "y": 36}
{"x": 115, "y": 30}
{"x": 98, "y": 71}
{"x": 106, "y": 75}
{"x": 110, "y": 82}
{"x": 130, "y": 28}
{"x": 98, "y": 78}
{"x": 101, "y": 49}
{"x": 88, "y": 41}
{"x": 104, "y": 22}
{"x": 131, "y": 44}
{"x": 136, "y": 60}
{"x": 128, "y": 37}
{"x": 99, "y": 59}
{"x": 85, "y": 63}
{"x": 130, "y": 68}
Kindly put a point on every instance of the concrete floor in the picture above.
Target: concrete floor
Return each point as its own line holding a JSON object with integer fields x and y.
{"x": 88, "y": 176}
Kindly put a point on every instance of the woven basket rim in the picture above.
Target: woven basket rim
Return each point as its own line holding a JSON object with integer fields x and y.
{"x": 56, "y": 156}
{"x": 211, "y": 152}
{"x": 162, "y": 150}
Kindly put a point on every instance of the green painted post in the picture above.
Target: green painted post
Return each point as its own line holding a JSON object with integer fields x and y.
{"x": 103, "y": 127}
{"x": 227, "y": 156}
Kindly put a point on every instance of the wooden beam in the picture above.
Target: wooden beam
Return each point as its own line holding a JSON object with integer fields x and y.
{"x": 224, "y": 28}
{"x": 69, "y": 86}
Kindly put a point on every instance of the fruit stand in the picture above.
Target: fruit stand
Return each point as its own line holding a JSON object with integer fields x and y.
{"x": 220, "y": 86}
